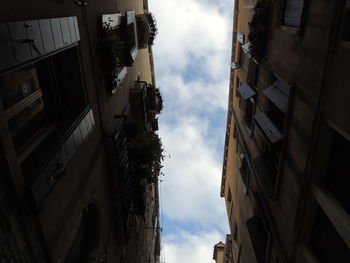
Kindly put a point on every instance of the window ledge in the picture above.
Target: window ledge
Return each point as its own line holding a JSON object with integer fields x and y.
{"x": 289, "y": 29}
{"x": 344, "y": 44}
{"x": 248, "y": 128}
{"x": 336, "y": 213}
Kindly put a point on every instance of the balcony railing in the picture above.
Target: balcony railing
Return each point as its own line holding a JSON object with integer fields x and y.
{"x": 145, "y": 103}
{"x": 122, "y": 72}
{"x": 59, "y": 158}
{"x": 123, "y": 172}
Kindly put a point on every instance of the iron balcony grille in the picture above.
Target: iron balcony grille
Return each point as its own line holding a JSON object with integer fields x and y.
{"x": 58, "y": 161}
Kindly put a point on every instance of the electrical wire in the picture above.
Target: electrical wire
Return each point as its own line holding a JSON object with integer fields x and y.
{"x": 161, "y": 219}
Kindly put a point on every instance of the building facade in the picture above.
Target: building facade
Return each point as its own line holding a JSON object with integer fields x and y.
{"x": 218, "y": 254}
{"x": 223, "y": 252}
{"x": 71, "y": 191}
{"x": 285, "y": 172}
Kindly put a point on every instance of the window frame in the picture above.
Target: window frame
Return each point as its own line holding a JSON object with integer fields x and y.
{"x": 340, "y": 25}
{"x": 290, "y": 29}
{"x": 321, "y": 197}
{"x": 283, "y": 143}
{"x": 238, "y": 83}
{"x": 253, "y": 66}
{"x": 244, "y": 169}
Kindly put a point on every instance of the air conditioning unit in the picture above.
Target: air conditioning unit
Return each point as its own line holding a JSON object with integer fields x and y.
{"x": 235, "y": 65}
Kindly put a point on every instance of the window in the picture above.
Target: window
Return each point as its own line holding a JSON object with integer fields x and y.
{"x": 45, "y": 97}
{"x": 87, "y": 238}
{"x": 253, "y": 73}
{"x": 234, "y": 130}
{"x": 329, "y": 215}
{"x": 244, "y": 52}
{"x": 344, "y": 34}
{"x": 326, "y": 243}
{"x": 266, "y": 167}
{"x": 23, "y": 102}
{"x": 48, "y": 117}
{"x": 244, "y": 173}
{"x": 271, "y": 125}
{"x": 277, "y": 106}
{"x": 230, "y": 205}
{"x": 247, "y": 105}
{"x": 238, "y": 83}
{"x": 292, "y": 13}
{"x": 275, "y": 115}
{"x": 235, "y": 244}
{"x": 131, "y": 36}
{"x": 337, "y": 179}
{"x": 242, "y": 57}
{"x": 229, "y": 195}
{"x": 271, "y": 122}
{"x": 235, "y": 233}
{"x": 259, "y": 237}
{"x": 63, "y": 103}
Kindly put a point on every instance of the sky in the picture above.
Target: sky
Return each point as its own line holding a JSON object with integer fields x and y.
{"x": 192, "y": 66}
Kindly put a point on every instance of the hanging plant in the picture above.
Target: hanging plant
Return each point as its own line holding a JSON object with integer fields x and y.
{"x": 111, "y": 49}
{"x": 145, "y": 152}
{"x": 258, "y": 29}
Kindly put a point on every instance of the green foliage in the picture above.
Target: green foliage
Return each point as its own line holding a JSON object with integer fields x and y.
{"x": 145, "y": 153}
{"x": 145, "y": 150}
{"x": 111, "y": 49}
{"x": 258, "y": 29}
{"x": 160, "y": 100}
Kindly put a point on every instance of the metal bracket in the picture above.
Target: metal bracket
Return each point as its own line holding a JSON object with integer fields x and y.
{"x": 29, "y": 41}
{"x": 84, "y": 2}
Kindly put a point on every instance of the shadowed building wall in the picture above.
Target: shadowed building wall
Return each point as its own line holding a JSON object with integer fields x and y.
{"x": 62, "y": 198}
{"x": 284, "y": 171}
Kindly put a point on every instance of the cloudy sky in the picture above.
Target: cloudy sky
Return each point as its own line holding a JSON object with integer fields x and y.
{"x": 192, "y": 55}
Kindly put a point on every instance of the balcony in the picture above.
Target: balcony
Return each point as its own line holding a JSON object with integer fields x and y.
{"x": 134, "y": 164}
{"x": 146, "y": 29}
{"x": 49, "y": 162}
{"x": 118, "y": 47}
{"x": 122, "y": 176}
{"x": 146, "y": 103}
{"x": 129, "y": 36}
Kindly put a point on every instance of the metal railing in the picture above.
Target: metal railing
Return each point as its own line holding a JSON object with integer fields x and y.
{"x": 57, "y": 162}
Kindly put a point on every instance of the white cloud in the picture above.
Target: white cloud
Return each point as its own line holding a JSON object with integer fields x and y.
{"x": 191, "y": 32}
{"x": 192, "y": 55}
{"x": 183, "y": 97}
{"x": 188, "y": 248}
{"x": 192, "y": 173}
{"x": 194, "y": 38}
